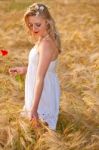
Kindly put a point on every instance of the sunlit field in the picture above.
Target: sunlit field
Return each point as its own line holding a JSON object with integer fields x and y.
{"x": 78, "y": 73}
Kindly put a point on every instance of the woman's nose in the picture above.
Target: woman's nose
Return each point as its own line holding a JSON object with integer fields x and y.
{"x": 34, "y": 28}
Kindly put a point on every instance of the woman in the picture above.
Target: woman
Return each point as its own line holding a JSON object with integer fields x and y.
{"x": 42, "y": 90}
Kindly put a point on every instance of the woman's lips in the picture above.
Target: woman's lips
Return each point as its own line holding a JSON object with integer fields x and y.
{"x": 35, "y": 32}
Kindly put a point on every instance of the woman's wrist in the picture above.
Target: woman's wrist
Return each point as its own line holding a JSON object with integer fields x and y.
{"x": 24, "y": 70}
{"x": 34, "y": 109}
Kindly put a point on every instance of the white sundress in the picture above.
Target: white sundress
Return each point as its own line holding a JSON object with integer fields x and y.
{"x": 48, "y": 108}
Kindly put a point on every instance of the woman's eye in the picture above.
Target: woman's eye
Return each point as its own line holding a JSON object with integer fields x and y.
{"x": 38, "y": 24}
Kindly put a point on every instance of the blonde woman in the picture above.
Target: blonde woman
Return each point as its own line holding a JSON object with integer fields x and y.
{"x": 42, "y": 89}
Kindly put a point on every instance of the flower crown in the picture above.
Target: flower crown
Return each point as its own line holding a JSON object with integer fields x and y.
{"x": 37, "y": 8}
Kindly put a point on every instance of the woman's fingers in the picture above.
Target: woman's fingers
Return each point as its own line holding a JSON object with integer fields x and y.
{"x": 13, "y": 71}
{"x": 35, "y": 122}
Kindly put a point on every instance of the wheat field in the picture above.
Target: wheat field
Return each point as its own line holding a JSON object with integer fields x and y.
{"x": 78, "y": 72}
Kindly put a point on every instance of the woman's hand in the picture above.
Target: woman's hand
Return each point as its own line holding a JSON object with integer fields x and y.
{"x": 33, "y": 115}
{"x": 17, "y": 71}
{"x": 34, "y": 119}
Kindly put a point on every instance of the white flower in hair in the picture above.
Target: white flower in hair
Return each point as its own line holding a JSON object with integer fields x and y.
{"x": 42, "y": 8}
{"x": 37, "y": 7}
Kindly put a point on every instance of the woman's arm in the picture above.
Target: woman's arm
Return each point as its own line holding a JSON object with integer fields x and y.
{"x": 45, "y": 57}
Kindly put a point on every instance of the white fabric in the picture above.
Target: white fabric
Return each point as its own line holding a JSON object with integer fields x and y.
{"x": 48, "y": 108}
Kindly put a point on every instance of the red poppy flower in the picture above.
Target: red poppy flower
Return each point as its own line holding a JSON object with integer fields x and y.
{"x": 4, "y": 52}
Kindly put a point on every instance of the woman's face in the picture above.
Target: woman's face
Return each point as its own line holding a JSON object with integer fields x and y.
{"x": 37, "y": 25}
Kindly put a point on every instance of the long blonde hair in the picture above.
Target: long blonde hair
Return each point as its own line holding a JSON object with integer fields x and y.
{"x": 38, "y": 9}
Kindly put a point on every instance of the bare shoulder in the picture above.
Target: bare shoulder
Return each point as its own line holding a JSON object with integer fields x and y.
{"x": 46, "y": 46}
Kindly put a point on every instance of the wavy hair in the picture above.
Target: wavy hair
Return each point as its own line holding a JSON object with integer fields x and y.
{"x": 38, "y": 9}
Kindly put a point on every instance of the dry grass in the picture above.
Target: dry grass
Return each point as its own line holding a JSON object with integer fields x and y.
{"x": 78, "y": 71}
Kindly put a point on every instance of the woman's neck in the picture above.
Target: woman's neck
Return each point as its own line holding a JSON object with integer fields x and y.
{"x": 41, "y": 38}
